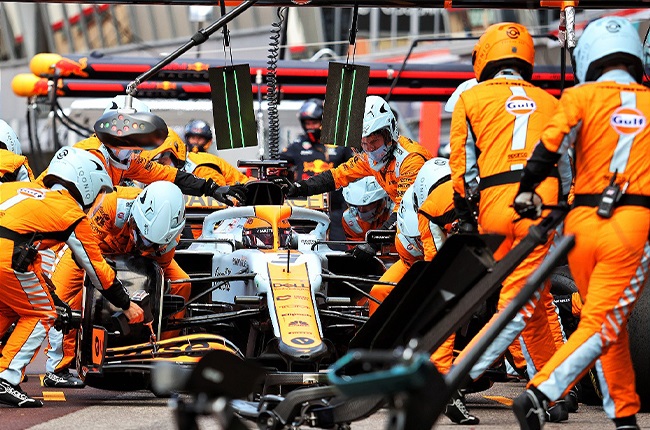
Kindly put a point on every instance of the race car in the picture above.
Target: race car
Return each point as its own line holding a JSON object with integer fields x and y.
{"x": 266, "y": 287}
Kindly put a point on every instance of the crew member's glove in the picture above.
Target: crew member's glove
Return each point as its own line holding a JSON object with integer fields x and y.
{"x": 364, "y": 252}
{"x": 64, "y": 314}
{"x": 279, "y": 180}
{"x": 528, "y": 204}
{"x": 298, "y": 189}
{"x": 226, "y": 193}
{"x": 466, "y": 227}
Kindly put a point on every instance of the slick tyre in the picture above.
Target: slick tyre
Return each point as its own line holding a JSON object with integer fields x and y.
{"x": 640, "y": 346}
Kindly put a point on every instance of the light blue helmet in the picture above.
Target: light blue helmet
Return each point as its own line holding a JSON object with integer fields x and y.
{"x": 9, "y": 139}
{"x": 433, "y": 173}
{"x": 407, "y": 215}
{"x": 608, "y": 41}
{"x": 363, "y": 192}
{"x": 377, "y": 116}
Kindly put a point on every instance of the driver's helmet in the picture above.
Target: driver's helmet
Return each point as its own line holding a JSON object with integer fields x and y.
{"x": 258, "y": 233}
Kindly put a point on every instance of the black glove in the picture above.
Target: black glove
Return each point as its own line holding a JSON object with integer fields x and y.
{"x": 65, "y": 308}
{"x": 117, "y": 295}
{"x": 465, "y": 227}
{"x": 298, "y": 189}
{"x": 364, "y": 252}
{"x": 225, "y": 193}
{"x": 528, "y": 204}
{"x": 281, "y": 181}
{"x": 63, "y": 314}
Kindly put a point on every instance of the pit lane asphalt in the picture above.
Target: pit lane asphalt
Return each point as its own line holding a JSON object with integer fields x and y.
{"x": 94, "y": 409}
{"x": 90, "y": 408}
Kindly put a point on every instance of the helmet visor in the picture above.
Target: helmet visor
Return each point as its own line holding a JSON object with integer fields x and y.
{"x": 140, "y": 241}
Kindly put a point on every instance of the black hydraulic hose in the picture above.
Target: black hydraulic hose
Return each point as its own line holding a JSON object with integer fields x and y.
{"x": 272, "y": 85}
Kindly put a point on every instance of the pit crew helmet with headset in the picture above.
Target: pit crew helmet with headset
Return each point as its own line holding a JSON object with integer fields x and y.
{"x": 379, "y": 117}
{"x": 504, "y": 45}
{"x": 80, "y": 172}
{"x": 124, "y": 129}
{"x": 157, "y": 215}
{"x": 364, "y": 192}
{"x": 312, "y": 109}
{"x": 607, "y": 41}
{"x": 198, "y": 127}
{"x": 9, "y": 139}
{"x": 407, "y": 220}
{"x": 433, "y": 173}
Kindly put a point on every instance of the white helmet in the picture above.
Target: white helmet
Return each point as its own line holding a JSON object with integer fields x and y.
{"x": 607, "y": 41}
{"x": 8, "y": 139}
{"x": 453, "y": 99}
{"x": 407, "y": 215}
{"x": 80, "y": 172}
{"x": 378, "y": 115}
{"x": 159, "y": 214}
{"x": 432, "y": 174}
{"x": 363, "y": 191}
{"x": 119, "y": 102}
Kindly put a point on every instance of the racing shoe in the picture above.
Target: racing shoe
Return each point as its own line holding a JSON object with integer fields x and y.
{"x": 457, "y": 411}
{"x": 13, "y": 395}
{"x": 62, "y": 379}
{"x": 572, "y": 397}
{"x": 558, "y": 412}
{"x": 529, "y": 410}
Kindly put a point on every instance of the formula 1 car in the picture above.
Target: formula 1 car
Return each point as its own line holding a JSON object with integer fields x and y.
{"x": 265, "y": 287}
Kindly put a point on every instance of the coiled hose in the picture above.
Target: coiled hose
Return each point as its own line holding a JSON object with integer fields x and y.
{"x": 272, "y": 85}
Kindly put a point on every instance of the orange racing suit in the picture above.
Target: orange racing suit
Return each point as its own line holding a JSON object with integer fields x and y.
{"x": 109, "y": 221}
{"x": 395, "y": 178}
{"x": 355, "y": 228}
{"x": 44, "y": 218}
{"x": 606, "y": 122}
{"x": 142, "y": 169}
{"x": 14, "y": 167}
{"x": 209, "y": 166}
{"x": 495, "y": 126}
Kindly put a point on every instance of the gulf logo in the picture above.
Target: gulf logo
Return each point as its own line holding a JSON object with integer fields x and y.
{"x": 520, "y": 105}
{"x": 629, "y": 121}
